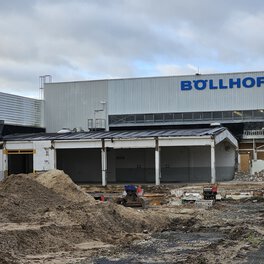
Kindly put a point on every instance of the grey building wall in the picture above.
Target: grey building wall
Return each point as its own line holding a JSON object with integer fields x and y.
{"x": 70, "y": 105}
{"x": 19, "y": 110}
{"x": 164, "y": 94}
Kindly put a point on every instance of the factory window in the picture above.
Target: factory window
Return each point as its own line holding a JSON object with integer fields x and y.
{"x": 258, "y": 114}
{"x": 158, "y": 117}
{"x": 168, "y": 117}
{"x": 140, "y": 118}
{"x": 178, "y": 116}
{"x": 149, "y": 118}
{"x": 187, "y": 116}
{"x": 227, "y": 115}
{"x": 237, "y": 115}
{"x": 198, "y": 116}
{"x": 112, "y": 120}
{"x": 130, "y": 119}
{"x": 247, "y": 114}
{"x": 207, "y": 115}
{"x": 217, "y": 115}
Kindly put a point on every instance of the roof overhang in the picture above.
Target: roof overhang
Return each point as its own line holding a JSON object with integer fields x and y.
{"x": 124, "y": 141}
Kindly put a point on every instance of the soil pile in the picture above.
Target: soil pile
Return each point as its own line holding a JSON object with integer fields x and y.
{"x": 7, "y": 258}
{"x": 62, "y": 184}
{"x": 49, "y": 213}
{"x": 22, "y": 199}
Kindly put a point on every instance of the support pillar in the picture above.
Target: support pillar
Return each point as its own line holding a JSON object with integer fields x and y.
{"x": 157, "y": 163}
{"x": 213, "y": 174}
{"x": 4, "y": 163}
{"x": 104, "y": 163}
{"x": 254, "y": 150}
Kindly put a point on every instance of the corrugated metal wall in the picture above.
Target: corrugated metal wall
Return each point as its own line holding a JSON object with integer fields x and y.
{"x": 164, "y": 95}
{"x": 70, "y": 105}
{"x": 18, "y": 110}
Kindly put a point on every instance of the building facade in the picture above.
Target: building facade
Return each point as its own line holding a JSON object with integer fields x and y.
{"x": 231, "y": 99}
{"x": 172, "y": 111}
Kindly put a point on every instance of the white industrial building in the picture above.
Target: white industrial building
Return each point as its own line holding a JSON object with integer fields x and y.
{"x": 230, "y": 98}
{"x": 152, "y": 130}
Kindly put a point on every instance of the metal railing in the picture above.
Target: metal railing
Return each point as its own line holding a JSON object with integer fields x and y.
{"x": 98, "y": 123}
{"x": 259, "y": 132}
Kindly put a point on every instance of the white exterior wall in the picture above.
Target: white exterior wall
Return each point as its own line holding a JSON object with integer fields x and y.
{"x": 225, "y": 154}
{"x": 70, "y": 105}
{"x": 257, "y": 166}
{"x": 44, "y": 157}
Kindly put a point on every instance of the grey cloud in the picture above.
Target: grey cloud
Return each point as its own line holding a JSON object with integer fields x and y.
{"x": 95, "y": 39}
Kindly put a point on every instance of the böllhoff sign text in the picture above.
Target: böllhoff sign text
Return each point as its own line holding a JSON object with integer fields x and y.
{"x": 247, "y": 82}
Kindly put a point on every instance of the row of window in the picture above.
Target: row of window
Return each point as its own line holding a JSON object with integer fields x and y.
{"x": 185, "y": 117}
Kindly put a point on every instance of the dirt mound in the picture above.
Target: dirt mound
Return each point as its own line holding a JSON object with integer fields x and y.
{"x": 62, "y": 184}
{"x": 23, "y": 199}
{"x": 7, "y": 258}
{"x": 49, "y": 213}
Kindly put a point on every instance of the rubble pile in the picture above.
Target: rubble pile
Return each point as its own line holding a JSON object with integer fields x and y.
{"x": 49, "y": 213}
{"x": 46, "y": 218}
{"x": 257, "y": 177}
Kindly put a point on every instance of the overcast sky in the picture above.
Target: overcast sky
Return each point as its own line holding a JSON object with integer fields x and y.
{"x": 98, "y": 39}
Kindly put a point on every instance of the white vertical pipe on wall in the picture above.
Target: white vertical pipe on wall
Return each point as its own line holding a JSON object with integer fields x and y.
{"x": 157, "y": 163}
{"x": 213, "y": 174}
{"x": 104, "y": 163}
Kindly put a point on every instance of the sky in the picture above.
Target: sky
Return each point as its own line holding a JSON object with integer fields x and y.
{"x": 75, "y": 40}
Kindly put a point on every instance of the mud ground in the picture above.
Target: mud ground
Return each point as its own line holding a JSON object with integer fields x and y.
{"x": 48, "y": 219}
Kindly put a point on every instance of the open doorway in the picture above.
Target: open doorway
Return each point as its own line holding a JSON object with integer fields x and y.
{"x": 20, "y": 163}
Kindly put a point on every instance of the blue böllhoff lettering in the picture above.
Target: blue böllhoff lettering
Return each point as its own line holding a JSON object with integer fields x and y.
{"x": 202, "y": 84}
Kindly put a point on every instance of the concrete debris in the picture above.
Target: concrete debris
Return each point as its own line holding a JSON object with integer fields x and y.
{"x": 218, "y": 197}
{"x": 175, "y": 202}
{"x": 238, "y": 196}
{"x": 177, "y": 193}
{"x": 206, "y": 204}
{"x": 257, "y": 177}
{"x": 191, "y": 197}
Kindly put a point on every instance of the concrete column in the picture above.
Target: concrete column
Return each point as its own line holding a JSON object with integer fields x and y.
{"x": 104, "y": 163}
{"x": 157, "y": 163}
{"x": 213, "y": 174}
{"x": 53, "y": 158}
{"x": 4, "y": 163}
{"x": 1, "y": 164}
{"x": 254, "y": 150}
